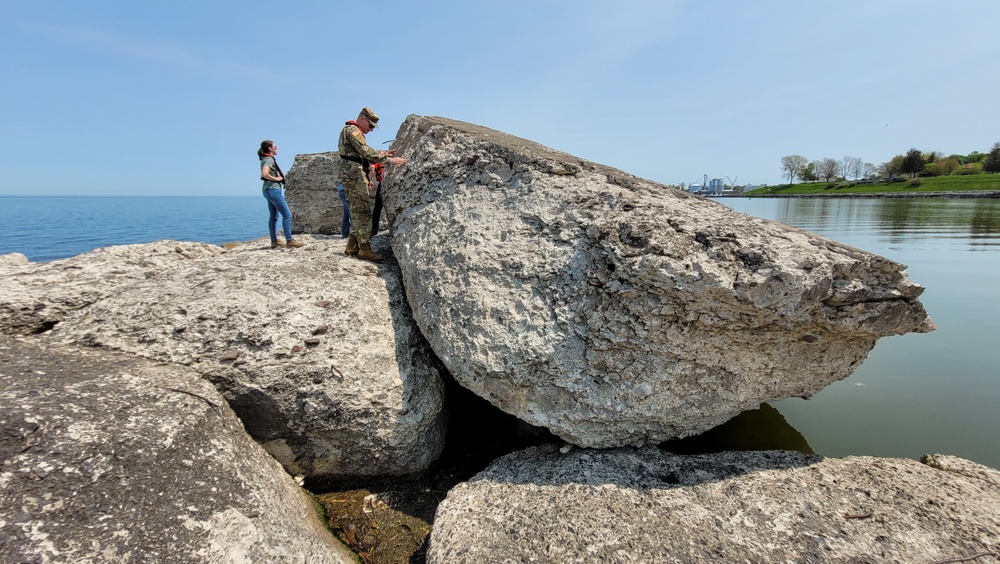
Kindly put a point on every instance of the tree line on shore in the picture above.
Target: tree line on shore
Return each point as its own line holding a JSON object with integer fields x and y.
{"x": 914, "y": 163}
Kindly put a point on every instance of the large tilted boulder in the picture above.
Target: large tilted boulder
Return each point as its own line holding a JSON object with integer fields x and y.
{"x": 645, "y": 505}
{"x": 316, "y": 352}
{"x": 311, "y": 193}
{"x": 613, "y": 310}
{"x": 113, "y": 458}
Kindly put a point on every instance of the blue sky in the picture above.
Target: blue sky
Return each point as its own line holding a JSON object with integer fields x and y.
{"x": 173, "y": 98}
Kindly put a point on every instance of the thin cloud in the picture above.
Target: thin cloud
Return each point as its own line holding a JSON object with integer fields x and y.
{"x": 166, "y": 54}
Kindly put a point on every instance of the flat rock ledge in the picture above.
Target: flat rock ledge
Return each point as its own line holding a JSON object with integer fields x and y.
{"x": 112, "y": 458}
{"x": 645, "y": 505}
{"x": 34, "y": 297}
{"x": 316, "y": 352}
{"x": 613, "y": 310}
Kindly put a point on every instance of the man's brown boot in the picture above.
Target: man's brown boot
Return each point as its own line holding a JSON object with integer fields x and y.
{"x": 352, "y": 246}
{"x": 366, "y": 253}
{"x": 294, "y": 243}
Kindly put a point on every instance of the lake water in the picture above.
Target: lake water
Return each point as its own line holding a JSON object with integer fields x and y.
{"x": 49, "y": 228}
{"x": 915, "y": 394}
{"x": 937, "y": 392}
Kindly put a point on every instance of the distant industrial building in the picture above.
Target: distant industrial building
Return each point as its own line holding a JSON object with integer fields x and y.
{"x": 713, "y": 187}
{"x": 716, "y": 187}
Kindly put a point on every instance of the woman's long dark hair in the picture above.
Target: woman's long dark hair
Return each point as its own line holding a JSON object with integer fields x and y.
{"x": 265, "y": 146}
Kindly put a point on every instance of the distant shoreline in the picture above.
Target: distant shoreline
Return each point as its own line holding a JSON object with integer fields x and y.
{"x": 963, "y": 194}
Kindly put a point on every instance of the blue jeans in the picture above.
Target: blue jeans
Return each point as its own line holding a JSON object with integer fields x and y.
{"x": 345, "y": 222}
{"x": 276, "y": 204}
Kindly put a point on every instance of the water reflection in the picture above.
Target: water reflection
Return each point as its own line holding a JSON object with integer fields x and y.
{"x": 916, "y": 393}
{"x": 763, "y": 428}
{"x": 974, "y": 221}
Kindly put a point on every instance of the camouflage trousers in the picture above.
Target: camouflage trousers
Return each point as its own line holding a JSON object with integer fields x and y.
{"x": 359, "y": 199}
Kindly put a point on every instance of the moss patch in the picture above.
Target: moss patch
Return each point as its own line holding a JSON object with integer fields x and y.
{"x": 374, "y": 530}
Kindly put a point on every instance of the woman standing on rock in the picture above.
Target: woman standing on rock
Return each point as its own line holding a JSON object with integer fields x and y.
{"x": 274, "y": 193}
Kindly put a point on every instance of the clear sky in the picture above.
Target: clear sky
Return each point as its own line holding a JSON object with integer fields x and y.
{"x": 173, "y": 98}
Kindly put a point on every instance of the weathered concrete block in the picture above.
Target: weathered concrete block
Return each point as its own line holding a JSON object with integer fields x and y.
{"x": 316, "y": 352}
{"x": 111, "y": 458}
{"x": 613, "y": 310}
{"x": 311, "y": 193}
{"x": 645, "y": 505}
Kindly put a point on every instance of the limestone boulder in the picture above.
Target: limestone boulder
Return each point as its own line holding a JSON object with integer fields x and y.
{"x": 645, "y": 505}
{"x": 34, "y": 297}
{"x": 613, "y": 310}
{"x": 311, "y": 192}
{"x": 316, "y": 352}
{"x": 113, "y": 458}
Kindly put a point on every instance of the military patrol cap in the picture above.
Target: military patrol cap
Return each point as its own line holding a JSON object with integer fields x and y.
{"x": 370, "y": 116}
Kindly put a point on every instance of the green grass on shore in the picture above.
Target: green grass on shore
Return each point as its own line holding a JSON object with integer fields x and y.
{"x": 930, "y": 184}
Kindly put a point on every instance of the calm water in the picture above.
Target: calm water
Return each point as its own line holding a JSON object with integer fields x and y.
{"x": 48, "y": 228}
{"x": 930, "y": 393}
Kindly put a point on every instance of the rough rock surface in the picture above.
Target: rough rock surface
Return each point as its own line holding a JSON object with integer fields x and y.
{"x": 613, "y": 310}
{"x": 108, "y": 458}
{"x": 645, "y": 505}
{"x": 34, "y": 297}
{"x": 316, "y": 352}
{"x": 311, "y": 193}
{"x": 13, "y": 259}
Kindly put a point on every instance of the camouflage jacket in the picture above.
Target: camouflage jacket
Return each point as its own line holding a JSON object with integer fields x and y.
{"x": 352, "y": 143}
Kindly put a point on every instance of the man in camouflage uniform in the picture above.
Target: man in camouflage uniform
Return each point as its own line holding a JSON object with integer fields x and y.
{"x": 356, "y": 157}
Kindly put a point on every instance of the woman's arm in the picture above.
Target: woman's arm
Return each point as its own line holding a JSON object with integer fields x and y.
{"x": 265, "y": 173}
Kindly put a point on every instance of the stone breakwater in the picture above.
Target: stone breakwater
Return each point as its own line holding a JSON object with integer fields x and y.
{"x": 161, "y": 400}
{"x": 331, "y": 385}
